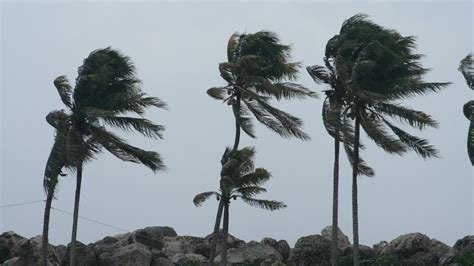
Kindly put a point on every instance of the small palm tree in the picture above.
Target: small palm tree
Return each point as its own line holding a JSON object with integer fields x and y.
{"x": 106, "y": 88}
{"x": 338, "y": 127}
{"x": 378, "y": 68}
{"x": 239, "y": 180}
{"x": 467, "y": 69}
{"x": 258, "y": 69}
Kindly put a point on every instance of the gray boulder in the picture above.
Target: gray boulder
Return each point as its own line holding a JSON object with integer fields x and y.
{"x": 438, "y": 248}
{"x": 365, "y": 252}
{"x": 232, "y": 241}
{"x": 252, "y": 252}
{"x": 269, "y": 241}
{"x": 9, "y": 242}
{"x": 284, "y": 249}
{"x": 408, "y": 245}
{"x": 422, "y": 258}
{"x": 189, "y": 259}
{"x": 152, "y": 237}
{"x": 133, "y": 254}
{"x": 380, "y": 247}
{"x": 311, "y": 250}
{"x": 464, "y": 245}
{"x": 342, "y": 239}
{"x": 84, "y": 255}
{"x": 185, "y": 245}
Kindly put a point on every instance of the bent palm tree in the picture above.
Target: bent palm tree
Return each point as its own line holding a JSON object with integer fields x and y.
{"x": 57, "y": 160}
{"x": 467, "y": 69}
{"x": 378, "y": 67}
{"x": 338, "y": 127}
{"x": 239, "y": 180}
{"x": 106, "y": 89}
{"x": 256, "y": 71}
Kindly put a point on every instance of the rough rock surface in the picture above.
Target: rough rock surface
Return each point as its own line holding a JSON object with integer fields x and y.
{"x": 343, "y": 240}
{"x": 408, "y": 245}
{"x": 252, "y": 252}
{"x": 365, "y": 252}
{"x": 311, "y": 250}
{"x": 133, "y": 254}
{"x": 464, "y": 245}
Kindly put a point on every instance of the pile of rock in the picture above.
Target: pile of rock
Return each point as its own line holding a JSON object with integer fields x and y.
{"x": 160, "y": 245}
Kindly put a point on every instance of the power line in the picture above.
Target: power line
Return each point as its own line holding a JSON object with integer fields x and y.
{"x": 91, "y": 220}
{"x": 22, "y": 203}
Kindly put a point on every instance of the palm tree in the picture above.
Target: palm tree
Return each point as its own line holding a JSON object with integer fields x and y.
{"x": 106, "y": 89}
{"x": 239, "y": 180}
{"x": 378, "y": 68}
{"x": 341, "y": 130}
{"x": 57, "y": 160}
{"x": 467, "y": 69}
{"x": 258, "y": 69}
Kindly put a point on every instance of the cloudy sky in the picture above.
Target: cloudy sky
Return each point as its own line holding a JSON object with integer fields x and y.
{"x": 176, "y": 47}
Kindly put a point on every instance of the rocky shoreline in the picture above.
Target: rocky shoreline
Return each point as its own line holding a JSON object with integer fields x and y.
{"x": 160, "y": 245}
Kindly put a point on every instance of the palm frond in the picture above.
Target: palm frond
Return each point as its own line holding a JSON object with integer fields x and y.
{"x": 124, "y": 151}
{"x": 241, "y": 115}
{"x": 250, "y": 191}
{"x": 64, "y": 89}
{"x": 362, "y": 167}
{"x": 141, "y": 125}
{"x": 270, "y": 205}
{"x": 376, "y": 131}
{"x": 412, "y": 117}
{"x": 200, "y": 198}
{"x": 256, "y": 178}
{"x": 467, "y": 69}
{"x": 420, "y": 146}
{"x": 218, "y": 93}
{"x": 470, "y": 140}
{"x": 320, "y": 74}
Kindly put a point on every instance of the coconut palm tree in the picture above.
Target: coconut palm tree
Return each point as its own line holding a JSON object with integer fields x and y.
{"x": 467, "y": 69}
{"x": 378, "y": 68}
{"x": 57, "y": 161}
{"x": 106, "y": 89}
{"x": 239, "y": 180}
{"x": 258, "y": 69}
{"x": 341, "y": 130}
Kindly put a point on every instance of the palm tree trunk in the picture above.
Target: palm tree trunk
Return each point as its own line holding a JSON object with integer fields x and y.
{"x": 236, "y": 109}
{"x": 215, "y": 234}
{"x": 225, "y": 235}
{"x": 335, "y": 202}
{"x": 75, "y": 216}
{"x": 44, "y": 240}
{"x": 355, "y": 217}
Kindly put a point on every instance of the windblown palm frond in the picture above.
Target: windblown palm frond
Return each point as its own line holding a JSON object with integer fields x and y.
{"x": 257, "y": 68}
{"x": 467, "y": 69}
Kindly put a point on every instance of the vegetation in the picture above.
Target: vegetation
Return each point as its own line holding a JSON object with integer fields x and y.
{"x": 106, "y": 89}
{"x": 378, "y": 68}
{"x": 467, "y": 69}
{"x": 239, "y": 180}
{"x": 256, "y": 69}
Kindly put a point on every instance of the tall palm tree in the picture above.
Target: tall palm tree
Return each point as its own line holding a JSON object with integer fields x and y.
{"x": 467, "y": 69}
{"x": 338, "y": 127}
{"x": 258, "y": 69}
{"x": 57, "y": 160}
{"x": 239, "y": 180}
{"x": 106, "y": 89}
{"x": 378, "y": 68}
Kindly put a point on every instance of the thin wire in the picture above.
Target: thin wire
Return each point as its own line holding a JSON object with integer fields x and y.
{"x": 22, "y": 203}
{"x": 91, "y": 220}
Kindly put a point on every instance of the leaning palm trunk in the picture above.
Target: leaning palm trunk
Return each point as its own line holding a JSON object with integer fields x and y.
{"x": 76, "y": 216}
{"x": 215, "y": 234}
{"x": 335, "y": 202}
{"x": 44, "y": 240}
{"x": 225, "y": 234}
{"x": 355, "y": 217}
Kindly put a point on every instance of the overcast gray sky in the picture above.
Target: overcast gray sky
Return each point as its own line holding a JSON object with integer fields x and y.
{"x": 176, "y": 48}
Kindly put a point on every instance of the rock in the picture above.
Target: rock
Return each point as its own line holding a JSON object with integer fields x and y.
{"x": 159, "y": 258}
{"x": 311, "y": 250}
{"x": 408, "y": 245}
{"x": 251, "y": 253}
{"x": 464, "y": 245}
{"x": 188, "y": 259}
{"x": 15, "y": 261}
{"x": 421, "y": 259}
{"x": 152, "y": 237}
{"x": 9, "y": 243}
{"x": 232, "y": 241}
{"x": 84, "y": 255}
{"x": 185, "y": 245}
{"x": 447, "y": 259}
{"x": 438, "y": 248}
{"x": 133, "y": 254}
{"x": 110, "y": 243}
{"x": 343, "y": 240}
{"x": 378, "y": 248}
{"x": 365, "y": 252}
{"x": 284, "y": 249}
{"x": 269, "y": 241}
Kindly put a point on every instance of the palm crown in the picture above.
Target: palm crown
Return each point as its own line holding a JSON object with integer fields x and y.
{"x": 106, "y": 88}
{"x": 240, "y": 179}
{"x": 257, "y": 65}
{"x": 378, "y": 67}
